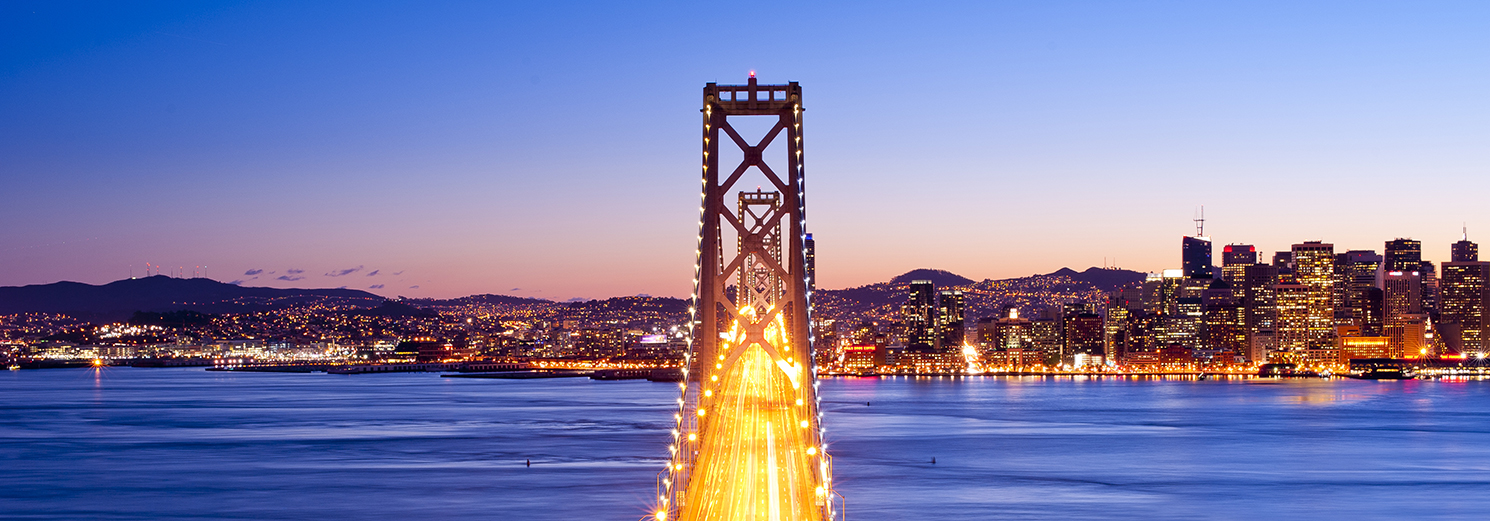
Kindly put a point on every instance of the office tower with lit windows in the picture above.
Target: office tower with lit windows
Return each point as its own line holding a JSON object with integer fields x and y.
{"x": 1367, "y": 307}
{"x": 1314, "y": 268}
{"x": 1404, "y": 255}
{"x": 1465, "y": 251}
{"x": 1083, "y": 336}
{"x": 1259, "y": 302}
{"x": 1292, "y": 324}
{"x": 1234, "y": 259}
{"x": 1402, "y": 306}
{"x": 951, "y": 325}
{"x": 1186, "y": 326}
{"x": 1225, "y": 323}
{"x": 1195, "y": 257}
{"x": 1122, "y": 304}
{"x": 1429, "y": 290}
{"x": 809, "y": 248}
{"x": 1283, "y": 260}
{"x": 1356, "y": 272}
{"x": 1340, "y": 297}
{"x": 1046, "y": 333}
{"x": 1465, "y": 292}
{"x": 918, "y": 315}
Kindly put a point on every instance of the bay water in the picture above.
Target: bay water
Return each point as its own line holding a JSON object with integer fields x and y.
{"x": 183, "y": 443}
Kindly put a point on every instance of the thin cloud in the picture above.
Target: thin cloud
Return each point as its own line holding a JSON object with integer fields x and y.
{"x": 345, "y": 272}
{"x": 293, "y": 271}
{"x": 399, "y": 272}
{"x": 414, "y": 287}
{"x": 254, "y": 271}
{"x": 375, "y": 286}
{"x": 372, "y": 273}
{"x": 237, "y": 282}
{"x": 515, "y": 289}
{"x": 289, "y": 278}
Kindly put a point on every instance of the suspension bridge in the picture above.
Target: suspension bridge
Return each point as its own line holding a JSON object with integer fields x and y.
{"x": 747, "y": 443}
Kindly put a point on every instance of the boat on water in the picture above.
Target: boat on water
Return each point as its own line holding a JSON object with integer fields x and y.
{"x": 1381, "y": 369}
{"x": 1287, "y": 371}
{"x": 1386, "y": 373}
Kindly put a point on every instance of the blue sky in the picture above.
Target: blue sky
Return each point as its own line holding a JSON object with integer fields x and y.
{"x": 549, "y": 149}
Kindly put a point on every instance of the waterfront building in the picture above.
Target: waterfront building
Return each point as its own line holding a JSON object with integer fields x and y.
{"x": 929, "y": 360}
{"x": 1354, "y": 346}
{"x": 859, "y": 357}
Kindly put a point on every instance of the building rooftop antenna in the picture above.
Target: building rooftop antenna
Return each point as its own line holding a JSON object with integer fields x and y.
{"x": 1200, "y": 223}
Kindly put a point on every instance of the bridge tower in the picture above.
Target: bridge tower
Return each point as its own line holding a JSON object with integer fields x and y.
{"x": 748, "y": 442}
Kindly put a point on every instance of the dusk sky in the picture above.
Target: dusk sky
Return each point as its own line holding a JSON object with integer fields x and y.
{"x": 551, "y": 149}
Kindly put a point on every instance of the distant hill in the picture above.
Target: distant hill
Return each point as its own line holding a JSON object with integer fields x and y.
{"x": 485, "y": 298}
{"x": 120, "y": 299}
{"x": 983, "y": 298}
{"x": 941, "y": 278}
{"x": 1105, "y": 279}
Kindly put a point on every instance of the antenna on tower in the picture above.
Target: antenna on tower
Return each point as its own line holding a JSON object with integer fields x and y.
{"x": 1200, "y": 223}
{"x": 1466, "y": 232}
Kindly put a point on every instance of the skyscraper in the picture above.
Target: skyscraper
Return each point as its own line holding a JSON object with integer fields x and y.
{"x": 1291, "y": 325}
{"x": 950, "y": 320}
{"x": 1225, "y": 323}
{"x": 1083, "y": 336}
{"x": 809, "y": 248}
{"x": 1314, "y": 268}
{"x": 1404, "y": 255}
{"x": 1465, "y": 295}
{"x": 1465, "y": 251}
{"x": 1234, "y": 259}
{"x": 1429, "y": 291}
{"x": 1367, "y": 307}
{"x": 1195, "y": 258}
{"x": 1401, "y": 307}
{"x": 1259, "y": 302}
{"x": 918, "y": 315}
{"x": 1283, "y": 260}
{"x": 1357, "y": 271}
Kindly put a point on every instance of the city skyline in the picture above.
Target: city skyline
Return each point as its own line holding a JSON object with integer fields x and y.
{"x": 282, "y": 137}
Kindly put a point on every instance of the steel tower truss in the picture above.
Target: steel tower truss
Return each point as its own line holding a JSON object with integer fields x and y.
{"x": 748, "y": 443}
